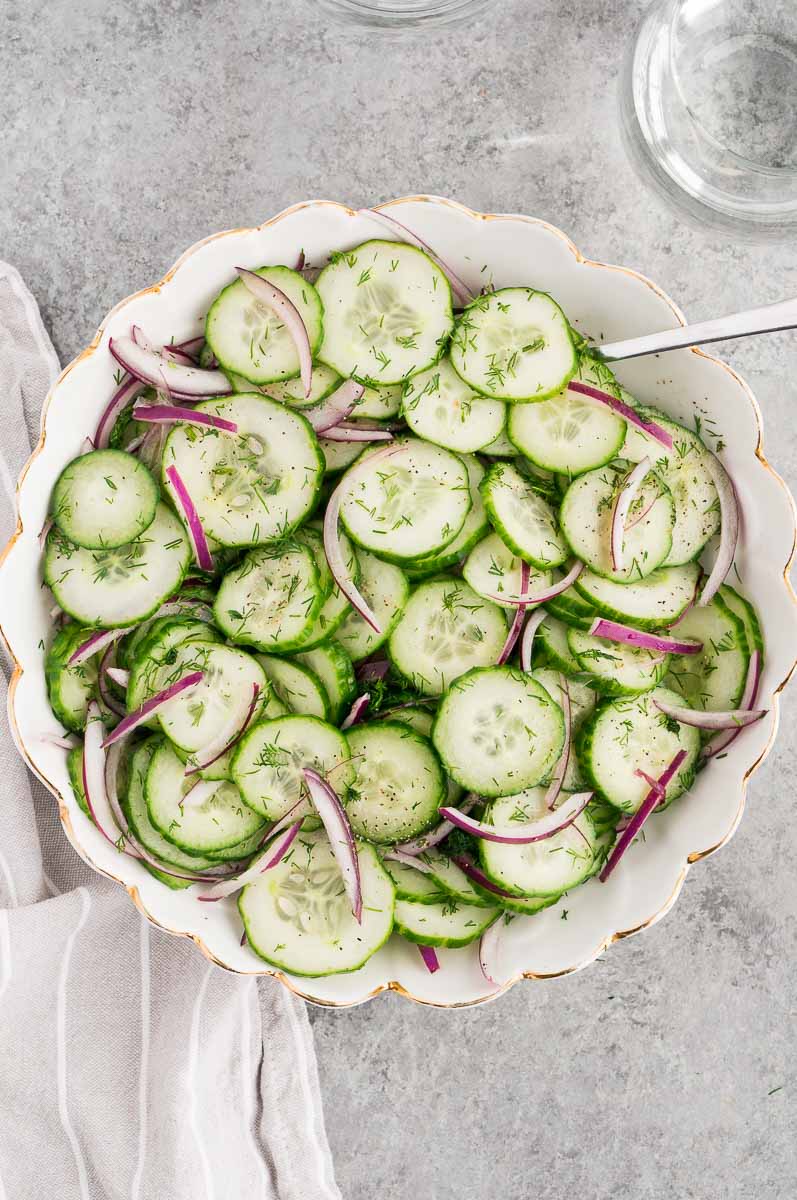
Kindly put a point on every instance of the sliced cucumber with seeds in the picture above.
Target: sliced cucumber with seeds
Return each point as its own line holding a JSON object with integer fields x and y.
{"x": 385, "y": 589}
{"x": 586, "y": 519}
{"x": 333, "y": 667}
{"x": 291, "y": 392}
{"x": 497, "y": 730}
{"x": 440, "y": 407}
{"x": 271, "y": 756}
{"x": 525, "y": 522}
{"x": 744, "y": 610}
{"x": 412, "y": 884}
{"x": 398, "y": 783}
{"x": 631, "y": 734}
{"x": 445, "y": 629}
{"x": 387, "y": 312}
{"x": 476, "y": 526}
{"x": 416, "y": 716}
{"x": 250, "y": 339}
{"x": 651, "y": 603}
{"x": 380, "y": 402}
{"x": 271, "y": 599}
{"x": 452, "y": 879}
{"x": 104, "y": 499}
{"x": 221, "y": 820}
{"x": 501, "y": 447}
{"x": 119, "y": 587}
{"x": 448, "y": 924}
{"x": 492, "y": 569}
{"x": 298, "y": 918}
{"x": 514, "y": 344}
{"x": 551, "y": 646}
{"x": 134, "y": 806}
{"x": 714, "y": 679}
{"x": 69, "y": 689}
{"x": 566, "y": 433}
{"x": 156, "y": 655}
{"x": 617, "y": 669}
{"x": 413, "y": 503}
{"x": 297, "y": 686}
{"x": 582, "y": 705}
{"x": 252, "y": 486}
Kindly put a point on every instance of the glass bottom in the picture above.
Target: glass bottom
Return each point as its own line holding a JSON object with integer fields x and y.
{"x": 402, "y": 14}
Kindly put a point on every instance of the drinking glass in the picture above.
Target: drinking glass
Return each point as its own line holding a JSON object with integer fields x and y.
{"x": 403, "y": 14}
{"x": 709, "y": 104}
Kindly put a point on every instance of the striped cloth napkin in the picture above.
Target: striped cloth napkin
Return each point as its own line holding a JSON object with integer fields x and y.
{"x": 130, "y": 1066}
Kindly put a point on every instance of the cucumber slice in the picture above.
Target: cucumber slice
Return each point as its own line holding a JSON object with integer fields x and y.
{"x": 297, "y": 916}
{"x": 411, "y": 504}
{"x": 387, "y": 312}
{"x": 333, "y": 667}
{"x": 501, "y": 447}
{"x": 291, "y": 392}
{"x": 254, "y": 486}
{"x": 221, "y": 820}
{"x": 572, "y": 609}
{"x": 414, "y": 715}
{"x": 269, "y": 760}
{"x": 540, "y": 869}
{"x": 156, "y": 655}
{"x": 338, "y": 456}
{"x": 398, "y": 782}
{"x": 527, "y": 906}
{"x": 440, "y": 407}
{"x": 582, "y": 705}
{"x": 119, "y": 587}
{"x": 385, "y": 589}
{"x": 522, "y": 518}
{"x": 312, "y": 536}
{"x": 452, "y": 879}
{"x": 134, "y": 806}
{"x": 684, "y": 471}
{"x": 714, "y": 679}
{"x": 271, "y": 599}
{"x": 567, "y": 433}
{"x": 336, "y": 608}
{"x": 586, "y": 519}
{"x": 514, "y": 344}
{"x": 617, "y": 669}
{"x": 497, "y": 730}
{"x": 250, "y": 339}
{"x": 744, "y": 610}
{"x": 445, "y": 629}
{"x": 69, "y": 689}
{"x": 380, "y": 402}
{"x": 448, "y": 924}
{"x": 74, "y": 766}
{"x": 553, "y": 648}
{"x": 269, "y": 709}
{"x": 476, "y": 526}
{"x": 651, "y": 603}
{"x": 627, "y": 735}
{"x": 491, "y": 568}
{"x": 296, "y": 686}
{"x": 104, "y": 499}
{"x": 185, "y": 608}
{"x": 411, "y": 884}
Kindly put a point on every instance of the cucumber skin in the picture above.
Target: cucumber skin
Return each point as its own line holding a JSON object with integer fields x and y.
{"x": 601, "y": 854}
{"x": 499, "y": 527}
{"x": 64, "y": 645}
{"x": 403, "y": 893}
{"x": 612, "y": 687}
{"x": 444, "y": 942}
{"x": 74, "y": 766}
{"x": 607, "y": 574}
{"x": 647, "y": 624}
{"x": 240, "y": 639}
{"x": 583, "y": 747}
{"x": 150, "y": 502}
{"x": 572, "y": 610}
{"x": 756, "y": 642}
{"x": 558, "y": 470}
{"x": 396, "y": 559}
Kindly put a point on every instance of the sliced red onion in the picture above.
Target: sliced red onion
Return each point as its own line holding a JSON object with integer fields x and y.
{"x": 554, "y": 590}
{"x": 527, "y": 641}
{"x": 168, "y": 414}
{"x": 244, "y": 939}
{"x": 108, "y": 698}
{"x": 376, "y": 669}
{"x": 641, "y": 815}
{"x": 87, "y": 447}
{"x": 357, "y": 711}
{"x": 127, "y": 391}
{"x": 557, "y": 779}
{"x": 336, "y": 407}
{"x": 172, "y": 352}
{"x": 277, "y": 302}
{"x": 407, "y": 860}
{"x": 533, "y": 831}
{"x": 489, "y": 951}
{"x": 622, "y": 505}
{"x": 657, "y": 432}
{"x": 341, "y": 838}
{"x": 517, "y": 623}
{"x": 722, "y": 741}
{"x": 729, "y": 528}
{"x": 337, "y": 565}
{"x": 299, "y": 265}
{"x": 136, "y": 444}
{"x": 429, "y": 956}
{"x": 462, "y": 293}
{"x": 642, "y": 514}
{"x": 66, "y": 741}
{"x": 652, "y": 783}
{"x": 191, "y": 346}
{"x": 97, "y": 642}
{"x": 228, "y": 738}
{"x": 440, "y": 832}
{"x": 474, "y": 873}
{"x": 151, "y": 367}
{"x": 112, "y": 760}
{"x": 134, "y": 719}
{"x": 737, "y": 718}
{"x": 200, "y": 792}
{"x": 118, "y": 676}
{"x": 197, "y": 534}
{"x": 614, "y": 632}
{"x": 94, "y": 786}
{"x": 280, "y": 838}
{"x": 45, "y": 529}
{"x": 354, "y": 433}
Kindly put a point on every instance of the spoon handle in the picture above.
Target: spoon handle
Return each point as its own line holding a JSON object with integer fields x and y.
{"x": 756, "y": 320}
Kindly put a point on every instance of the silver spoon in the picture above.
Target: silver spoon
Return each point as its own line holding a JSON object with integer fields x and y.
{"x": 768, "y": 319}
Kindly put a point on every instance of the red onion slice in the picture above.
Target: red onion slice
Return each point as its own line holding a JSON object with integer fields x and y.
{"x": 118, "y": 676}
{"x": 169, "y": 414}
{"x": 440, "y": 832}
{"x": 45, "y": 529}
{"x": 341, "y": 838}
{"x": 430, "y": 959}
{"x": 462, "y": 293}
{"x": 641, "y": 815}
{"x": 555, "y": 786}
{"x": 280, "y": 838}
{"x": 474, "y": 873}
{"x": 94, "y": 786}
{"x": 622, "y": 505}
{"x": 532, "y": 831}
{"x": 127, "y": 391}
{"x": 554, "y": 590}
{"x": 737, "y": 718}
{"x": 197, "y": 534}
{"x": 527, "y": 641}
{"x": 66, "y": 741}
{"x": 652, "y": 783}
{"x": 108, "y": 698}
{"x": 357, "y": 711}
{"x": 407, "y": 860}
{"x": 97, "y": 642}
{"x": 490, "y": 950}
{"x": 151, "y": 368}
{"x": 278, "y": 303}
{"x": 520, "y": 615}
{"x": 336, "y": 407}
{"x": 153, "y": 705}
{"x": 370, "y": 671}
{"x": 352, "y": 433}
{"x": 729, "y": 528}
{"x": 191, "y": 346}
{"x": 657, "y": 432}
{"x": 722, "y": 741}
{"x": 228, "y": 738}
{"x": 615, "y": 632}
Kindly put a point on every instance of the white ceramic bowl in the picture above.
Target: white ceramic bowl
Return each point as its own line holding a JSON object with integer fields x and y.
{"x": 603, "y": 301}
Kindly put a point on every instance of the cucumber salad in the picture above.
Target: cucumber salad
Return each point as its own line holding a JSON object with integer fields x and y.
{"x": 382, "y": 607}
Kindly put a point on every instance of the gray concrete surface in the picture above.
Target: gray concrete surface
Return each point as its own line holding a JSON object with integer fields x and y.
{"x": 130, "y": 129}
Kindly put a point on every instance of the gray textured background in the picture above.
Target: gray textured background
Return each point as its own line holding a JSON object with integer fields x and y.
{"x": 128, "y": 131}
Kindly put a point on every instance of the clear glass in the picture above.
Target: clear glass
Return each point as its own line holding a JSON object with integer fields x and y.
{"x": 403, "y": 14}
{"x": 709, "y": 100}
